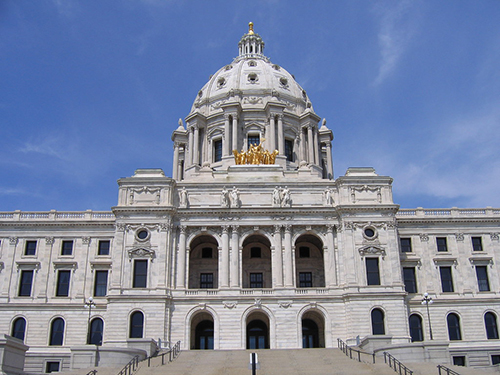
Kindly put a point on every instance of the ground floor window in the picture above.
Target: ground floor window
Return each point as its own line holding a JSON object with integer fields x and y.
{"x": 52, "y": 367}
{"x": 310, "y": 334}
{"x": 204, "y": 335}
{"x": 459, "y": 360}
{"x": 257, "y": 335}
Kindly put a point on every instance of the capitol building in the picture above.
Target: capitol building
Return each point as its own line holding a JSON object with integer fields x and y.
{"x": 252, "y": 243}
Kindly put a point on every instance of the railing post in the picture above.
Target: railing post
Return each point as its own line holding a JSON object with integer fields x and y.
{"x": 359, "y": 356}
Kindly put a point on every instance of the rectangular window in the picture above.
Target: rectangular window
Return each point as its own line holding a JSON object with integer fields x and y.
{"x": 495, "y": 359}
{"x": 255, "y": 252}
{"x": 409, "y": 279}
{"x": 103, "y": 248}
{"x": 30, "y": 248}
{"x": 253, "y": 140}
{"x": 305, "y": 280}
{"x": 405, "y": 245}
{"x": 482, "y": 278}
{"x": 372, "y": 271}
{"x": 26, "y": 282}
{"x": 459, "y": 360}
{"x": 140, "y": 274}
{"x": 441, "y": 244}
{"x": 289, "y": 149}
{"x": 218, "y": 150}
{"x": 446, "y": 279}
{"x": 52, "y": 367}
{"x": 304, "y": 252}
{"x": 256, "y": 280}
{"x": 63, "y": 278}
{"x": 206, "y": 281}
{"x": 67, "y": 248}
{"x": 477, "y": 244}
{"x": 206, "y": 252}
{"x": 101, "y": 283}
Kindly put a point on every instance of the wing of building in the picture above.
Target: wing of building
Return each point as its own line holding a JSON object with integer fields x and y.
{"x": 251, "y": 243}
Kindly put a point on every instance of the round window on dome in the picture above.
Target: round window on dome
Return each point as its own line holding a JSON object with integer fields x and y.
{"x": 252, "y": 63}
{"x": 276, "y": 67}
{"x": 284, "y": 81}
{"x": 142, "y": 234}
{"x": 252, "y": 78}
{"x": 221, "y": 82}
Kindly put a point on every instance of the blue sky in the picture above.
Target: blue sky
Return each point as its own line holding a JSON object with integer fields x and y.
{"x": 91, "y": 90}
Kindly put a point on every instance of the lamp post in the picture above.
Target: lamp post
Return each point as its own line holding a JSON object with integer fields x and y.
{"x": 427, "y": 301}
{"x": 89, "y": 304}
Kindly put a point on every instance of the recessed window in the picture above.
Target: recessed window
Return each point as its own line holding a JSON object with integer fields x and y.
{"x": 405, "y": 245}
{"x": 30, "y": 248}
{"x": 57, "y": 332}
{"x": 142, "y": 234}
{"x": 459, "y": 360}
{"x": 256, "y": 280}
{"x": 140, "y": 273}
{"x": 101, "y": 283}
{"x": 441, "y": 244}
{"x": 52, "y": 366}
{"x": 372, "y": 271}
{"x": 410, "y": 279}
{"x": 495, "y": 359}
{"x": 96, "y": 331}
{"x": 284, "y": 81}
{"x": 19, "y": 328}
{"x": 253, "y": 139}
{"x": 369, "y": 232}
{"x": 217, "y": 150}
{"x": 490, "y": 322}
{"x": 477, "y": 244}
{"x": 136, "y": 325}
{"x": 378, "y": 327}
{"x": 305, "y": 280}
{"x": 26, "y": 282}
{"x": 104, "y": 246}
{"x": 289, "y": 149}
{"x": 206, "y": 281}
{"x": 446, "y": 279}
{"x": 228, "y": 67}
{"x": 63, "y": 278}
{"x": 453, "y": 322}
{"x": 252, "y": 78}
{"x": 221, "y": 82}
{"x": 255, "y": 252}
{"x": 206, "y": 252}
{"x": 482, "y": 278}
{"x": 251, "y": 62}
{"x": 304, "y": 94}
{"x": 67, "y": 247}
{"x": 276, "y": 67}
{"x": 416, "y": 331}
{"x": 304, "y": 252}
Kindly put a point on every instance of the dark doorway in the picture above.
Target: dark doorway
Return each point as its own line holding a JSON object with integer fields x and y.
{"x": 310, "y": 334}
{"x": 204, "y": 335}
{"x": 257, "y": 335}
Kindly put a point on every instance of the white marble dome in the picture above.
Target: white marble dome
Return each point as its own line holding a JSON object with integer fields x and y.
{"x": 252, "y": 80}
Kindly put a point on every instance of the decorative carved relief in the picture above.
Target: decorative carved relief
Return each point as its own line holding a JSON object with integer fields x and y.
{"x": 372, "y": 250}
{"x": 285, "y": 304}
{"x": 424, "y": 237}
{"x": 252, "y": 100}
{"x": 459, "y": 236}
{"x": 86, "y": 240}
{"x": 141, "y": 252}
{"x": 13, "y": 240}
{"x": 49, "y": 240}
{"x": 494, "y": 236}
{"x": 230, "y": 304}
{"x": 365, "y": 193}
{"x": 144, "y": 195}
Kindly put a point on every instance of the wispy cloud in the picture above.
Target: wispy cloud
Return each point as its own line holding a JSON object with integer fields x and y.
{"x": 397, "y": 27}
{"x": 49, "y": 146}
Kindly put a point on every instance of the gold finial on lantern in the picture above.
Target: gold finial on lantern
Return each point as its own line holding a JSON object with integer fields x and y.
{"x": 250, "y": 28}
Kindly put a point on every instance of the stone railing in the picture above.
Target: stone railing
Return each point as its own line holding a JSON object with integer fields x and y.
{"x": 448, "y": 212}
{"x": 57, "y": 215}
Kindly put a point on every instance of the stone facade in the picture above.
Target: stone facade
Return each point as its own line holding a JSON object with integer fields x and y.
{"x": 232, "y": 254}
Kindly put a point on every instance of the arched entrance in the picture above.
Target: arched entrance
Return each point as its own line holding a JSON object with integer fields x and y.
{"x": 202, "y": 331}
{"x": 257, "y": 331}
{"x": 313, "y": 330}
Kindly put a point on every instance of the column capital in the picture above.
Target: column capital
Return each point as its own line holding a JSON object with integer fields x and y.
{"x": 182, "y": 229}
{"x": 288, "y": 228}
{"x": 235, "y": 228}
{"x": 226, "y": 116}
{"x": 225, "y": 229}
{"x": 277, "y": 228}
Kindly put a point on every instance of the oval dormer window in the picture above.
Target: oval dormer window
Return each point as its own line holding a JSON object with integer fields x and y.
{"x": 252, "y": 78}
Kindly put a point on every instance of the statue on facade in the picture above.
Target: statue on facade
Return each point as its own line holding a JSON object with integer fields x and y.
{"x": 286, "y": 200}
{"x": 328, "y": 195}
{"x": 255, "y": 155}
{"x": 224, "y": 198}
{"x": 276, "y": 197}
{"x": 235, "y": 197}
{"x": 183, "y": 198}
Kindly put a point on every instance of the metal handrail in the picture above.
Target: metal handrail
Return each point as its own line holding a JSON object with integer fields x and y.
{"x": 347, "y": 350}
{"x": 448, "y": 371}
{"x": 396, "y": 365}
{"x": 172, "y": 354}
{"x": 92, "y": 372}
{"x": 130, "y": 367}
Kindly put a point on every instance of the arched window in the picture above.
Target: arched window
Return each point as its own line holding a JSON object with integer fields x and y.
{"x": 204, "y": 335}
{"x": 490, "y": 321}
{"x": 378, "y": 322}
{"x": 19, "y": 328}
{"x": 416, "y": 328}
{"x": 57, "y": 332}
{"x": 310, "y": 334}
{"x": 453, "y": 327}
{"x": 96, "y": 330}
{"x": 136, "y": 325}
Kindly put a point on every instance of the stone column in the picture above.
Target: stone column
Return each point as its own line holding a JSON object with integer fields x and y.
{"x": 277, "y": 260}
{"x": 175, "y": 169}
{"x": 189, "y": 153}
{"x": 310, "y": 144}
{"x": 272, "y": 133}
{"x": 224, "y": 259}
{"x": 317, "y": 151}
{"x": 281, "y": 136}
{"x": 329, "y": 258}
{"x": 329, "y": 160}
{"x": 234, "y": 277}
{"x": 196, "y": 144}
{"x": 235, "y": 133}
{"x": 288, "y": 262}
{"x": 302, "y": 152}
{"x": 225, "y": 139}
{"x": 181, "y": 259}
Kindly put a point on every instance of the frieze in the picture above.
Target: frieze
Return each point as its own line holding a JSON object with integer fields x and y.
{"x": 282, "y": 218}
{"x": 252, "y": 100}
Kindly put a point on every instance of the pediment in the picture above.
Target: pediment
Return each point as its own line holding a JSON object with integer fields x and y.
{"x": 141, "y": 252}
